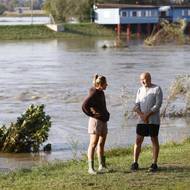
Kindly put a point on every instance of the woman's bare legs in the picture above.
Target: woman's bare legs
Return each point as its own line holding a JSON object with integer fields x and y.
{"x": 91, "y": 149}
{"x": 100, "y": 152}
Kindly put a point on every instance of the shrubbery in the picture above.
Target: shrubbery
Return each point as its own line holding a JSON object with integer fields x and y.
{"x": 28, "y": 133}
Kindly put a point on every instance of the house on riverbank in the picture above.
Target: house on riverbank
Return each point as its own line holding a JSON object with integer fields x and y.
{"x": 139, "y": 18}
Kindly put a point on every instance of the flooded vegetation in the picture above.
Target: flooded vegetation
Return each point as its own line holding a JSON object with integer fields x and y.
{"x": 168, "y": 33}
{"x": 28, "y": 133}
{"x": 178, "y": 101}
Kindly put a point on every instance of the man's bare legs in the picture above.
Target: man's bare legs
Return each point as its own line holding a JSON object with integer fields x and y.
{"x": 137, "y": 151}
{"x": 156, "y": 148}
{"x": 137, "y": 147}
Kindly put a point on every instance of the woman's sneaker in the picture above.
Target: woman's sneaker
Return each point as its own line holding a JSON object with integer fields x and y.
{"x": 92, "y": 171}
{"x": 134, "y": 166}
{"x": 153, "y": 168}
{"x": 103, "y": 169}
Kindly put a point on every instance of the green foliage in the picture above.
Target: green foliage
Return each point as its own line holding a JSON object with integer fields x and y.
{"x": 28, "y": 133}
{"x": 88, "y": 29}
{"x": 3, "y": 131}
{"x": 2, "y": 9}
{"x": 62, "y": 10}
{"x": 119, "y": 152}
{"x": 187, "y": 140}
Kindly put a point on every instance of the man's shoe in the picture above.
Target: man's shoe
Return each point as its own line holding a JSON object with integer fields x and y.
{"x": 153, "y": 168}
{"x": 134, "y": 166}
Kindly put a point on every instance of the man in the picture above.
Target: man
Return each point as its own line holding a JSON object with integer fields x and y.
{"x": 147, "y": 106}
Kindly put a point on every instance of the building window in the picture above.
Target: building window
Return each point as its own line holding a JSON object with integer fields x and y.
{"x": 147, "y": 13}
{"x": 123, "y": 14}
{"x": 182, "y": 12}
{"x": 188, "y": 12}
{"x": 139, "y": 13}
{"x": 185, "y": 12}
{"x": 143, "y": 13}
{"x": 134, "y": 13}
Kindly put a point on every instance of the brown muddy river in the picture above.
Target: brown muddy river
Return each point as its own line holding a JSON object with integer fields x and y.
{"x": 58, "y": 73}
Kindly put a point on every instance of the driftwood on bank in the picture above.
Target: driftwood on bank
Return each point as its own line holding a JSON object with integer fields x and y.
{"x": 168, "y": 33}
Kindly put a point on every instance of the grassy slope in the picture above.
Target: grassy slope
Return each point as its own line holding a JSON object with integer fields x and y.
{"x": 174, "y": 173}
{"x": 42, "y": 32}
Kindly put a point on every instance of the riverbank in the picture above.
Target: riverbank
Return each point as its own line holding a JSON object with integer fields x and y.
{"x": 174, "y": 172}
{"x": 21, "y": 32}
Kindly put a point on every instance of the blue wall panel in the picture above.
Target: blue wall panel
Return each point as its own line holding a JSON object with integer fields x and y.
{"x": 138, "y": 16}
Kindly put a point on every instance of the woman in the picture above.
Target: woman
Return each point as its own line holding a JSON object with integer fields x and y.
{"x": 94, "y": 106}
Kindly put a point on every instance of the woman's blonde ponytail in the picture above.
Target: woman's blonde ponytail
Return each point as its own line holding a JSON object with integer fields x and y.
{"x": 98, "y": 80}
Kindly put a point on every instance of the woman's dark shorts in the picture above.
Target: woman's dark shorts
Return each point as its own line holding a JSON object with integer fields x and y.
{"x": 147, "y": 130}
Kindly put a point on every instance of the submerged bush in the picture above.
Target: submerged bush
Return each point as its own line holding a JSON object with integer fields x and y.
{"x": 28, "y": 133}
{"x": 169, "y": 33}
{"x": 178, "y": 101}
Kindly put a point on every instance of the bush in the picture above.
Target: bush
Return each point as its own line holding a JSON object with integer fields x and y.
{"x": 28, "y": 133}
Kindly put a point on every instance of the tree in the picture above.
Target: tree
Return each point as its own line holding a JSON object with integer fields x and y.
{"x": 61, "y": 10}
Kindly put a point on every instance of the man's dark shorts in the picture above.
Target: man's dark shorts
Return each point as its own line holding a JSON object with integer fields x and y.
{"x": 147, "y": 130}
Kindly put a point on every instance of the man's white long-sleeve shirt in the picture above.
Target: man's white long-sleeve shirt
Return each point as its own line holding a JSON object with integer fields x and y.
{"x": 148, "y": 100}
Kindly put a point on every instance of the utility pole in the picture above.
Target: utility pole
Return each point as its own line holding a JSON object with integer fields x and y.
{"x": 31, "y": 11}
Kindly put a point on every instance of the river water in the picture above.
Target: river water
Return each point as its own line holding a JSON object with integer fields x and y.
{"x": 58, "y": 73}
{"x": 24, "y": 20}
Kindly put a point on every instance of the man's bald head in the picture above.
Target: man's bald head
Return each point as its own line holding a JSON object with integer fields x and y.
{"x": 145, "y": 79}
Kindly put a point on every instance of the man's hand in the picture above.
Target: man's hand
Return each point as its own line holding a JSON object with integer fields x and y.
{"x": 144, "y": 117}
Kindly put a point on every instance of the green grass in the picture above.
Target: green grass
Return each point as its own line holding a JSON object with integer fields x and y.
{"x": 174, "y": 173}
{"x": 89, "y": 29}
{"x": 21, "y": 32}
